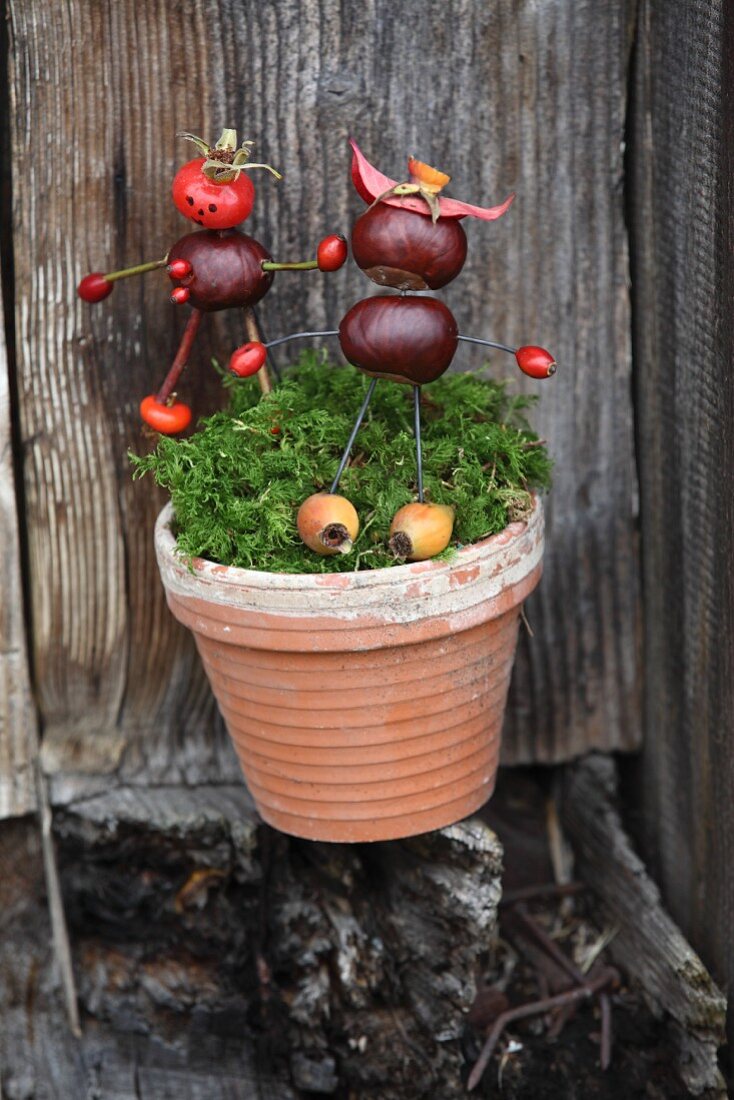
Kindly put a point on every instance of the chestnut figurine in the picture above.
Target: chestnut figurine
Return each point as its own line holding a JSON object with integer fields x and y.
{"x": 217, "y": 267}
{"x": 410, "y": 239}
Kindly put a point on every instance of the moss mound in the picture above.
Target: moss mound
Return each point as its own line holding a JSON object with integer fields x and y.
{"x": 236, "y": 484}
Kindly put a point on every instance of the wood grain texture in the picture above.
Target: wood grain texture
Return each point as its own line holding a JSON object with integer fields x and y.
{"x": 533, "y": 99}
{"x": 683, "y": 233}
{"x": 647, "y": 942}
{"x": 18, "y": 721}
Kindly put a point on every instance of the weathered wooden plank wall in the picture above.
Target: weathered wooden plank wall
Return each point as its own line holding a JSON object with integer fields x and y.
{"x": 512, "y": 95}
{"x": 18, "y": 732}
{"x": 683, "y": 281}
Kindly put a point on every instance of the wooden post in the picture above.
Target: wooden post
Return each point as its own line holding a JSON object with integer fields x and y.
{"x": 18, "y": 726}
{"x": 253, "y": 333}
{"x": 682, "y": 161}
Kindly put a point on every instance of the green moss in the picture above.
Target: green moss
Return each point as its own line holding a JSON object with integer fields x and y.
{"x": 237, "y": 483}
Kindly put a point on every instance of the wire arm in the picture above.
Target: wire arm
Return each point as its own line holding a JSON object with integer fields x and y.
{"x": 488, "y": 344}
{"x": 299, "y": 335}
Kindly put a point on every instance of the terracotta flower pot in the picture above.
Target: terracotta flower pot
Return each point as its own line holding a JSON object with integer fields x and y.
{"x": 368, "y": 705}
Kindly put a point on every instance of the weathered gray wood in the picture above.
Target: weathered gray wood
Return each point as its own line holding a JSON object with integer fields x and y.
{"x": 115, "y": 677}
{"x": 57, "y": 915}
{"x": 39, "y": 1057}
{"x": 18, "y": 723}
{"x": 647, "y": 944}
{"x": 682, "y": 159}
{"x": 379, "y": 964}
{"x": 507, "y": 96}
{"x": 358, "y": 962}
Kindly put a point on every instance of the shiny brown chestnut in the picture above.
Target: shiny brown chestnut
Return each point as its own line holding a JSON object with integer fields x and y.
{"x": 226, "y": 269}
{"x": 410, "y": 340}
{"x": 406, "y": 250}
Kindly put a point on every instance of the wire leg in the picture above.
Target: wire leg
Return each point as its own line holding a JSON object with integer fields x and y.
{"x": 417, "y": 428}
{"x": 353, "y": 436}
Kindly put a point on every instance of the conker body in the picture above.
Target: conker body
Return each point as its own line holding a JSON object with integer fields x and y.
{"x": 411, "y": 340}
{"x": 406, "y": 250}
{"x": 226, "y": 269}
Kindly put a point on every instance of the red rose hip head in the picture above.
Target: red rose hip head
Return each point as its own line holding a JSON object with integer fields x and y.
{"x": 94, "y": 287}
{"x": 332, "y": 252}
{"x": 214, "y": 190}
{"x": 248, "y": 359}
{"x": 210, "y": 204}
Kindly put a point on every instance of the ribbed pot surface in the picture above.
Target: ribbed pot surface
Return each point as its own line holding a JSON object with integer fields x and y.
{"x": 363, "y": 706}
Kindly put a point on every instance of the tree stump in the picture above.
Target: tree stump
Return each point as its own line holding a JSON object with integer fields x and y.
{"x": 336, "y": 966}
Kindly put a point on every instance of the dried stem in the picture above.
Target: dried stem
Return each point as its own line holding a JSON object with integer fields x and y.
{"x": 535, "y": 1008}
{"x": 549, "y": 946}
{"x": 545, "y": 890}
{"x": 606, "y": 1030}
{"x": 253, "y": 333}
{"x": 182, "y": 357}
{"x": 59, "y": 929}
{"x": 139, "y": 269}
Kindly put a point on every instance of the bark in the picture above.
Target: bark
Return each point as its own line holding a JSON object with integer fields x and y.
{"x": 346, "y": 966}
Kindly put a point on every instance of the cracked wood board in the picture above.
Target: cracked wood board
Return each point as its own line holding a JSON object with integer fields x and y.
{"x": 18, "y": 724}
{"x": 354, "y": 964}
{"x": 648, "y": 945}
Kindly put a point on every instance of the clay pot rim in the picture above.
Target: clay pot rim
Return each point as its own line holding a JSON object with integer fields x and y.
{"x": 166, "y": 548}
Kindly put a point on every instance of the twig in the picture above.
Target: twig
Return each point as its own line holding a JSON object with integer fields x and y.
{"x": 418, "y": 1051}
{"x": 592, "y": 953}
{"x": 545, "y": 890}
{"x": 534, "y": 1008}
{"x": 59, "y": 930}
{"x": 559, "y": 852}
{"x": 561, "y": 1018}
{"x": 264, "y": 338}
{"x": 181, "y": 358}
{"x": 550, "y": 946}
{"x": 606, "y": 1030}
{"x": 253, "y": 333}
{"x": 526, "y": 621}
